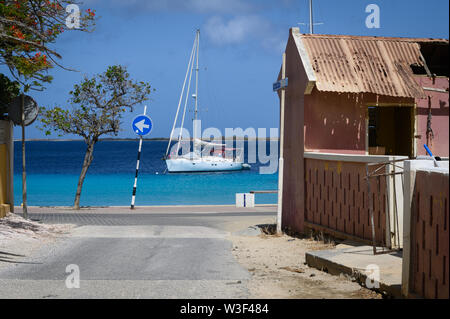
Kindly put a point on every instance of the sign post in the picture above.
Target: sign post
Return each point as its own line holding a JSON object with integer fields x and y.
{"x": 23, "y": 111}
{"x": 281, "y": 85}
{"x": 142, "y": 125}
{"x": 24, "y": 172}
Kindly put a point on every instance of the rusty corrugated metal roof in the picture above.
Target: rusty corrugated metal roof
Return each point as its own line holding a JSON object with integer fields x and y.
{"x": 358, "y": 64}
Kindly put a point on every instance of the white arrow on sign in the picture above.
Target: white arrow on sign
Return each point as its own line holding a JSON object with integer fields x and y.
{"x": 141, "y": 125}
{"x": 282, "y": 84}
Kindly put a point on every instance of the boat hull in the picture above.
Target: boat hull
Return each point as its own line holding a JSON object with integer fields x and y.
{"x": 181, "y": 165}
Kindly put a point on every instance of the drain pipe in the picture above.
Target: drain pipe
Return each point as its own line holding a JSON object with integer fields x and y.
{"x": 281, "y": 160}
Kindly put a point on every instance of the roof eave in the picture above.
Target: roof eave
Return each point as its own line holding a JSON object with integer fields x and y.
{"x": 305, "y": 60}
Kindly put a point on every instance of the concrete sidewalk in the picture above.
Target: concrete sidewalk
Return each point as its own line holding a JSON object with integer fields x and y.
{"x": 353, "y": 260}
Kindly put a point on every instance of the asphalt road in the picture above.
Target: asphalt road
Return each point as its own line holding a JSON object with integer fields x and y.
{"x": 147, "y": 253}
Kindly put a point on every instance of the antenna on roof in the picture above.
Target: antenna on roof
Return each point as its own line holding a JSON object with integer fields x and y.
{"x": 311, "y": 19}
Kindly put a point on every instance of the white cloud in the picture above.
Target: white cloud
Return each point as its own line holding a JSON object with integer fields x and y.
{"x": 230, "y": 22}
{"x": 241, "y": 29}
{"x": 275, "y": 41}
{"x": 219, "y": 5}
{"x": 235, "y": 30}
{"x": 198, "y": 6}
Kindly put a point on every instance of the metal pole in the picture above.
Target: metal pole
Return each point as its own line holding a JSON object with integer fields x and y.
{"x": 196, "y": 77}
{"x": 311, "y": 22}
{"x": 397, "y": 230}
{"x": 429, "y": 131}
{"x": 194, "y": 123}
{"x": 370, "y": 204}
{"x": 281, "y": 160}
{"x": 133, "y": 197}
{"x": 24, "y": 174}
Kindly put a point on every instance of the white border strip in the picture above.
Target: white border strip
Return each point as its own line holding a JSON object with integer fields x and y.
{"x": 355, "y": 158}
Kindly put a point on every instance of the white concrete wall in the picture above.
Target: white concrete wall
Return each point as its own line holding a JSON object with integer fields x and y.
{"x": 410, "y": 169}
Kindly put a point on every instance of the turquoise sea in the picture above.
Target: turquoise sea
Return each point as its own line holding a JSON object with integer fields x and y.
{"x": 53, "y": 169}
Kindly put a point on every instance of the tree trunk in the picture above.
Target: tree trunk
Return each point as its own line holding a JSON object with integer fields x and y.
{"x": 88, "y": 157}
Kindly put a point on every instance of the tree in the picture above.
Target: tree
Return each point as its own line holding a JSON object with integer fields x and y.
{"x": 97, "y": 107}
{"x": 27, "y": 29}
{"x": 8, "y": 91}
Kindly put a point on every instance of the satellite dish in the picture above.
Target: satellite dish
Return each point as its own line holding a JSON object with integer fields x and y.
{"x": 30, "y": 109}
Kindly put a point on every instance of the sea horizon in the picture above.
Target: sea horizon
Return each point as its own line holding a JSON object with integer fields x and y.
{"x": 53, "y": 170}
{"x": 137, "y": 138}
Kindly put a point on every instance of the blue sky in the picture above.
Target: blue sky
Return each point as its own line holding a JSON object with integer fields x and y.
{"x": 240, "y": 50}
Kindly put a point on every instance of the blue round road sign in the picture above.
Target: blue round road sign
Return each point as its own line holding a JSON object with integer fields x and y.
{"x": 142, "y": 125}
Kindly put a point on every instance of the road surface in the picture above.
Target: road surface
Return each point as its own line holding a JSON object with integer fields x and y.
{"x": 155, "y": 252}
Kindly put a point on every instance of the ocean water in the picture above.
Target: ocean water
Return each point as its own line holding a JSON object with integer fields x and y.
{"x": 53, "y": 169}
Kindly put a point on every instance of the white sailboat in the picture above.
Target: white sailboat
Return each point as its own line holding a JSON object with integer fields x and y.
{"x": 205, "y": 157}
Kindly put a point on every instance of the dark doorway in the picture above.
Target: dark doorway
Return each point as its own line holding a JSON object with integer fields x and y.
{"x": 391, "y": 131}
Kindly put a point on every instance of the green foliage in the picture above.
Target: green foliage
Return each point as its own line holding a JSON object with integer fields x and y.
{"x": 8, "y": 91}
{"x": 27, "y": 28}
{"x": 97, "y": 105}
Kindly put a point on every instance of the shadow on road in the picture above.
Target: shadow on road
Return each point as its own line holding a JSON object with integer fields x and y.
{"x": 10, "y": 258}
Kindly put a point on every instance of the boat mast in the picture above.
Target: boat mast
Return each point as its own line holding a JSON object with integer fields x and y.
{"x": 196, "y": 77}
{"x": 194, "y": 126}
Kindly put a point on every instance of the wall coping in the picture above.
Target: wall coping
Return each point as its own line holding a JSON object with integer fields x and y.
{"x": 355, "y": 158}
{"x": 426, "y": 165}
{"x": 440, "y": 170}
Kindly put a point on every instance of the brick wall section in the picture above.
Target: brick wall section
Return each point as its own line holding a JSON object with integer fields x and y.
{"x": 336, "y": 198}
{"x": 430, "y": 236}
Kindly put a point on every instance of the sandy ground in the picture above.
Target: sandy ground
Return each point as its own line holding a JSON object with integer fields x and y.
{"x": 20, "y": 238}
{"x": 278, "y": 268}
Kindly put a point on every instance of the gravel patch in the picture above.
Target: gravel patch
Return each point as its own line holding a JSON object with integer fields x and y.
{"x": 20, "y": 238}
{"x": 14, "y": 227}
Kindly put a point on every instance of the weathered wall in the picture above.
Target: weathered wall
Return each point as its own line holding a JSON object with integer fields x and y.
{"x": 293, "y": 187}
{"x": 440, "y": 116}
{"x": 337, "y": 197}
{"x": 429, "y": 238}
{"x": 336, "y": 122}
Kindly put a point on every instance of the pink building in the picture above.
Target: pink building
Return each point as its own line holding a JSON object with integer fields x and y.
{"x": 363, "y": 97}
